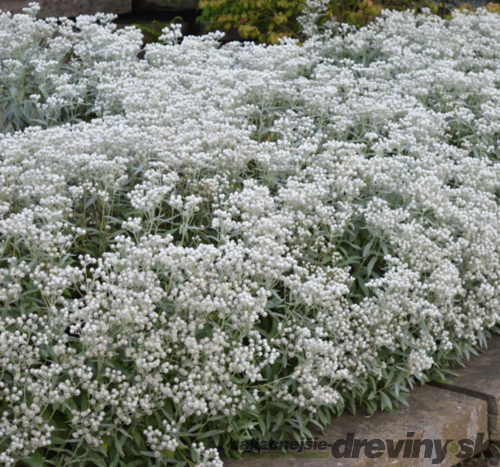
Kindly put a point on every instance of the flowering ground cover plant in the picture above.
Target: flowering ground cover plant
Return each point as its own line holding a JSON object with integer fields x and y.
{"x": 49, "y": 69}
{"x": 248, "y": 240}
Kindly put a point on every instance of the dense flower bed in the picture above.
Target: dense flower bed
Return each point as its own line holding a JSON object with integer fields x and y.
{"x": 247, "y": 239}
{"x": 49, "y": 69}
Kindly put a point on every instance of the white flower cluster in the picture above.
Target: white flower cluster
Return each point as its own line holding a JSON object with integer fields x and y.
{"x": 49, "y": 69}
{"x": 250, "y": 233}
{"x": 312, "y": 14}
{"x": 206, "y": 457}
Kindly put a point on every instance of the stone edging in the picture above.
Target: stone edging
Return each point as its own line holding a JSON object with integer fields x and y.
{"x": 466, "y": 409}
{"x": 481, "y": 379}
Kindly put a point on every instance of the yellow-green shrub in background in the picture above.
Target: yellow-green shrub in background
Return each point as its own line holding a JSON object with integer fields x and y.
{"x": 493, "y": 7}
{"x": 270, "y": 20}
{"x": 354, "y": 12}
{"x": 263, "y": 20}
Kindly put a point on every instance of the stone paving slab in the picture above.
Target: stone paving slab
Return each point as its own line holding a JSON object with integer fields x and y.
{"x": 481, "y": 377}
{"x": 494, "y": 427}
{"x": 69, "y": 8}
{"x": 434, "y": 414}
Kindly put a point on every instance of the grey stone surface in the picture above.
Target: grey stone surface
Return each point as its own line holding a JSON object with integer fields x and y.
{"x": 481, "y": 377}
{"x": 70, "y": 8}
{"x": 494, "y": 426}
{"x": 435, "y": 414}
{"x": 165, "y": 5}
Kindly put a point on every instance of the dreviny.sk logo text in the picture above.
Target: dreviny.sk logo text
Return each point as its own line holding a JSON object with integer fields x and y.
{"x": 354, "y": 447}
